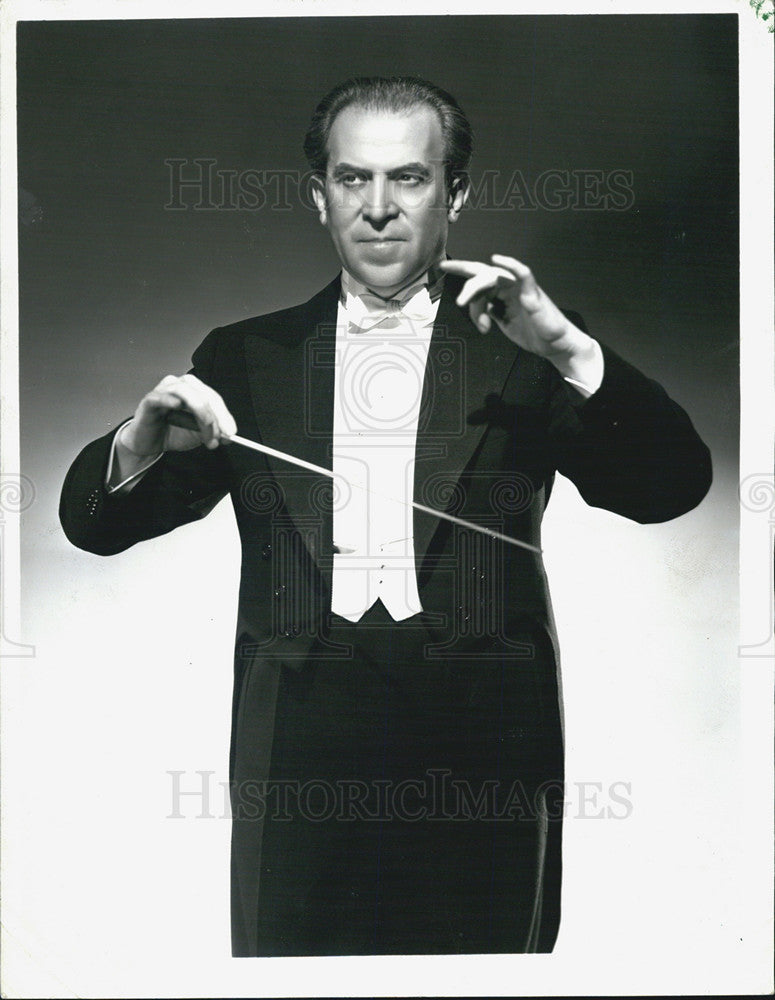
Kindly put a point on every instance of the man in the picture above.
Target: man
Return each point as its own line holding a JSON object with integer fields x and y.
{"x": 396, "y": 758}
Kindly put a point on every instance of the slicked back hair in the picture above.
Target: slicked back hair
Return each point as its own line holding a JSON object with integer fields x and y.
{"x": 396, "y": 94}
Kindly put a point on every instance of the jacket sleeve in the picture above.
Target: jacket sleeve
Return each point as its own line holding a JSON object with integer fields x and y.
{"x": 629, "y": 448}
{"x": 181, "y": 487}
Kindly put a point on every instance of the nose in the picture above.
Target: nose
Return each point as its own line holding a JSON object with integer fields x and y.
{"x": 378, "y": 204}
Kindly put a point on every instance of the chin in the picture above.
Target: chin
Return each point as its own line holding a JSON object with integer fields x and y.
{"x": 382, "y": 277}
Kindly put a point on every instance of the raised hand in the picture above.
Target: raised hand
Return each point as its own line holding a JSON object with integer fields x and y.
{"x": 506, "y": 291}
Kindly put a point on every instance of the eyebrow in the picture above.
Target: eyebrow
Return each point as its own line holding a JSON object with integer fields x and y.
{"x": 349, "y": 168}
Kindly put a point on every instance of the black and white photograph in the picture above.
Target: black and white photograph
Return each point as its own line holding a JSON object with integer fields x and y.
{"x": 382, "y": 489}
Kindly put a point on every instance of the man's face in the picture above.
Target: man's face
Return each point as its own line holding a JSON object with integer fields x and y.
{"x": 384, "y": 198}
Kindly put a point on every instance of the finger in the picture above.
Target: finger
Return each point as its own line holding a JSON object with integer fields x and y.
{"x": 483, "y": 322}
{"x": 489, "y": 280}
{"x": 522, "y": 271}
{"x": 496, "y": 317}
{"x": 199, "y": 405}
{"x": 481, "y": 296}
{"x": 166, "y": 382}
{"x": 209, "y": 412}
{"x": 227, "y": 425}
{"x": 161, "y": 400}
{"x": 157, "y": 404}
{"x": 484, "y": 310}
{"x": 478, "y": 310}
{"x": 511, "y": 264}
{"x": 465, "y": 268}
{"x": 156, "y": 410}
{"x": 183, "y": 419}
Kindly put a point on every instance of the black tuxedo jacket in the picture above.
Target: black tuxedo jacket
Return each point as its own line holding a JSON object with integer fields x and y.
{"x": 496, "y": 424}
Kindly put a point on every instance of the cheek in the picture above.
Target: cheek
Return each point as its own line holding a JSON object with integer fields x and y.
{"x": 431, "y": 224}
{"x": 429, "y": 202}
{"x": 343, "y": 203}
{"x": 337, "y": 225}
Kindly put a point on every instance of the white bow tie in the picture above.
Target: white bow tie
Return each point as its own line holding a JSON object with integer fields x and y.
{"x": 367, "y": 311}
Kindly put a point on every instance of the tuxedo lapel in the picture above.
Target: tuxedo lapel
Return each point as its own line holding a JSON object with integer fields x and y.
{"x": 464, "y": 366}
{"x": 291, "y": 378}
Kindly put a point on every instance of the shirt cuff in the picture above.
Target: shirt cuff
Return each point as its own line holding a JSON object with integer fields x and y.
{"x": 135, "y": 475}
{"x": 587, "y": 375}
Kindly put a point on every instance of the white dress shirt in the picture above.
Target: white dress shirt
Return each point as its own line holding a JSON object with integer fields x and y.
{"x": 381, "y": 356}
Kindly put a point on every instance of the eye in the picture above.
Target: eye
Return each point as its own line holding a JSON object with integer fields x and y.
{"x": 410, "y": 180}
{"x": 350, "y": 180}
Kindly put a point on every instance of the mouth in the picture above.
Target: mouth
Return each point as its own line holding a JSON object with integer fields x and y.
{"x": 380, "y": 244}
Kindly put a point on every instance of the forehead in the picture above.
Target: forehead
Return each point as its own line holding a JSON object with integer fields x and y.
{"x": 379, "y": 140}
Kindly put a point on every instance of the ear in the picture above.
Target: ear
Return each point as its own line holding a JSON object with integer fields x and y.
{"x": 458, "y": 196}
{"x": 318, "y": 188}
